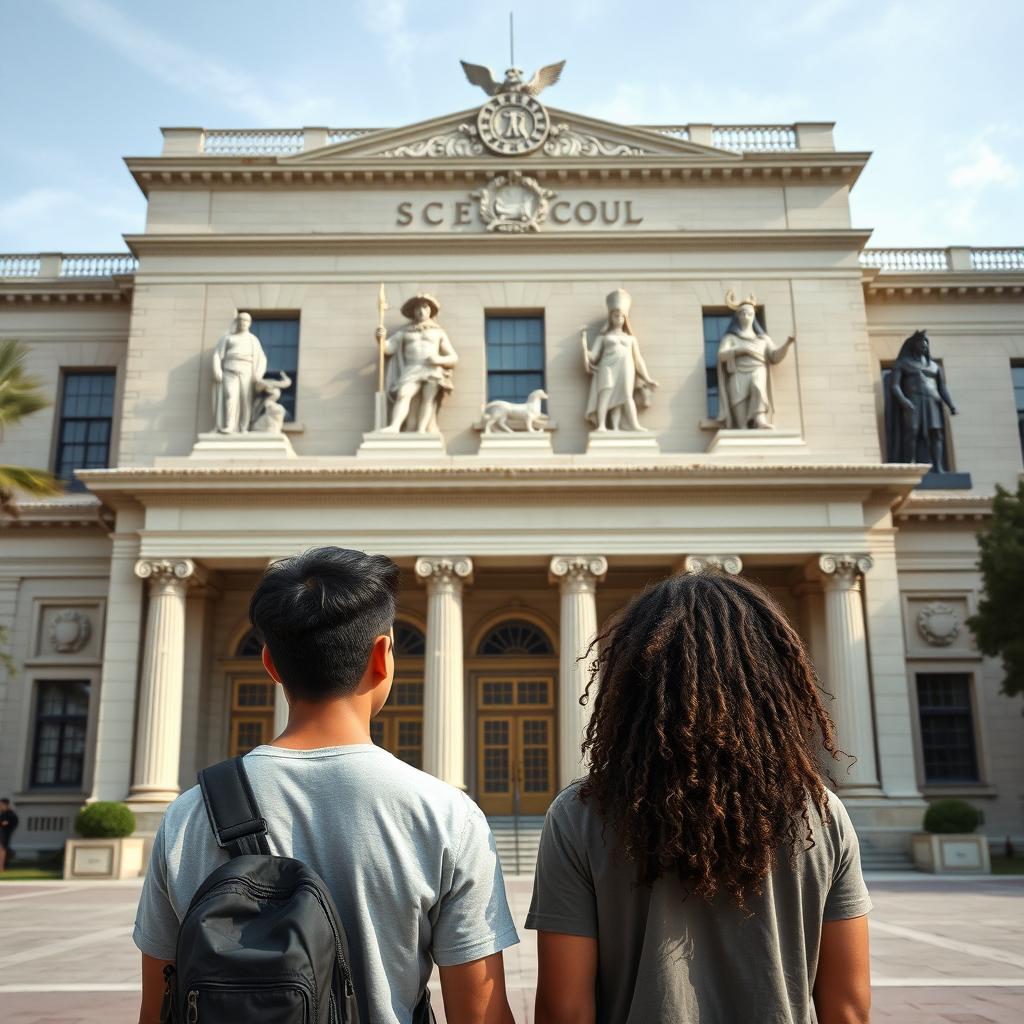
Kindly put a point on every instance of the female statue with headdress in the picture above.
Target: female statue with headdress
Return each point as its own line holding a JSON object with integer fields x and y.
{"x": 619, "y": 381}
{"x": 744, "y": 355}
{"x": 419, "y": 367}
{"x": 915, "y": 427}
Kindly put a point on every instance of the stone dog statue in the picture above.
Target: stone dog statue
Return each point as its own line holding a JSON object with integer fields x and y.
{"x": 498, "y": 414}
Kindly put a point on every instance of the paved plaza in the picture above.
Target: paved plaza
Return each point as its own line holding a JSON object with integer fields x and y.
{"x": 942, "y": 951}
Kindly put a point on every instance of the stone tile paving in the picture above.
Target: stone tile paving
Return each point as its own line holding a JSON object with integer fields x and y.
{"x": 943, "y": 952}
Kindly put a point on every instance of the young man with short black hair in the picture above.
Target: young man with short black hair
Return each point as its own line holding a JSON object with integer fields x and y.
{"x": 409, "y": 860}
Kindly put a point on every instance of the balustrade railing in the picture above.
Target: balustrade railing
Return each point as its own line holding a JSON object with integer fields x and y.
{"x": 905, "y": 259}
{"x": 954, "y": 258}
{"x": 336, "y": 135}
{"x": 755, "y": 138}
{"x": 997, "y": 259}
{"x": 61, "y": 264}
{"x": 252, "y": 142}
{"x": 19, "y": 266}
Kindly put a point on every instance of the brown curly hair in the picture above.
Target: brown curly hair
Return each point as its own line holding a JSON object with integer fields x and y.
{"x": 706, "y": 734}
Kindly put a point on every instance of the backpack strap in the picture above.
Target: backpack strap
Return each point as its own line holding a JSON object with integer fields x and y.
{"x": 232, "y": 809}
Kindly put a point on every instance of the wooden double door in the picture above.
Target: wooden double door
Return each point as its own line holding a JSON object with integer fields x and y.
{"x": 515, "y": 743}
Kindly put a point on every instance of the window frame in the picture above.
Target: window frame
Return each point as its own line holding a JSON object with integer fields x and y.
{"x": 290, "y": 396}
{"x": 1018, "y": 364}
{"x": 72, "y": 484}
{"x": 705, "y": 313}
{"x": 493, "y": 315}
{"x": 949, "y": 786}
{"x": 39, "y": 720}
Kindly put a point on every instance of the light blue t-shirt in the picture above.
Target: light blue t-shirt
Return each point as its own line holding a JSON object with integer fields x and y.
{"x": 409, "y": 860}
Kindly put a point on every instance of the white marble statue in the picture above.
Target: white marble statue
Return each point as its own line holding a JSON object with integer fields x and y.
{"x": 419, "y": 368}
{"x": 239, "y": 364}
{"x": 510, "y": 416}
{"x": 268, "y": 414}
{"x": 619, "y": 381}
{"x": 744, "y": 379}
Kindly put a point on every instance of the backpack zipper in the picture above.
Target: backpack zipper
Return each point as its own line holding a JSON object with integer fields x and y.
{"x": 192, "y": 1016}
{"x": 309, "y": 996}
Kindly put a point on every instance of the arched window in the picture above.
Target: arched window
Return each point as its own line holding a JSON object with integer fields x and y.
{"x": 409, "y": 640}
{"x": 515, "y": 638}
{"x": 250, "y": 646}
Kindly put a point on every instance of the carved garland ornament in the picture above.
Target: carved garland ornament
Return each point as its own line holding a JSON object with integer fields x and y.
{"x": 939, "y": 624}
{"x": 513, "y": 202}
{"x": 462, "y": 141}
{"x": 566, "y": 141}
{"x": 69, "y": 631}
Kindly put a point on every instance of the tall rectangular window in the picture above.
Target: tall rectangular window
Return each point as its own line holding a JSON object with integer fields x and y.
{"x": 1018, "y": 394}
{"x": 62, "y": 714}
{"x": 86, "y": 423}
{"x": 515, "y": 356}
{"x": 947, "y": 727}
{"x": 280, "y": 339}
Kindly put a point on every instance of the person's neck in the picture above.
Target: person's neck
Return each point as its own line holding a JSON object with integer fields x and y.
{"x": 330, "y": 723}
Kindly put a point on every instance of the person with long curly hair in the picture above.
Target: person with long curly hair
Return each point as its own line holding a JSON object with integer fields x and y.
{"x": 702, "y": 871}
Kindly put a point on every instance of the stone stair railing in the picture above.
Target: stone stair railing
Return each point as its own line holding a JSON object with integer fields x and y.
{"x": 47, "y": 265}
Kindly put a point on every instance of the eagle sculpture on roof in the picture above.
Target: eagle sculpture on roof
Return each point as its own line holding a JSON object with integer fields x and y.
{"x": 482, "y": 76}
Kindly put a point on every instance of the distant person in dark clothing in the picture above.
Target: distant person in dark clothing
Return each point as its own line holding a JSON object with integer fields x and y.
{"x": 8, "y": 823}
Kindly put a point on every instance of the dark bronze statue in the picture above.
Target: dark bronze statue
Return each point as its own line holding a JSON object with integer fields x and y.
{"x": 915, "y": 426}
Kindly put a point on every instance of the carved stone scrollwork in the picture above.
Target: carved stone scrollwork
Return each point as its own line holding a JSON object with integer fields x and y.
{"x": 444, "y": 570}
{"x": 939, "y": 624}
{"x": 731, "y": 564}
{"x": 845, "y": 569}
{"x": 463, "y": 141}
{"x": 579, "y": 570}
{"x": 566, "y": 141}
{"x": 169, "y": 573}
{"x": 513, "y": 202}
{"x": 70, "y": 630}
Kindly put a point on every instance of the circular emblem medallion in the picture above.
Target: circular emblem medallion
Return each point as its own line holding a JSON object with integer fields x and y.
{"x": 513, "y": 123}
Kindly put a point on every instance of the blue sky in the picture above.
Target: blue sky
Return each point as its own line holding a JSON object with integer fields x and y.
{"x": 932, "y": 87}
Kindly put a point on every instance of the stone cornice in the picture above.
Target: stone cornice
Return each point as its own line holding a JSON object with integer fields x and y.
{"x": 273, "y": 172}
{"x": 86, "y": 512}
{"x": 527, "y": 242}
{"x": 881, "y": 285}
{"x": 67, "y": 291}
{"x": 944, "y": 508}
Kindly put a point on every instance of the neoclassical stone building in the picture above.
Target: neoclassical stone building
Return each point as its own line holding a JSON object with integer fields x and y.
{"x": 125, "y": 600}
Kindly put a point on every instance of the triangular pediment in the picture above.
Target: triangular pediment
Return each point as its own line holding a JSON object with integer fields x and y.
{"x": 455, "y": 137}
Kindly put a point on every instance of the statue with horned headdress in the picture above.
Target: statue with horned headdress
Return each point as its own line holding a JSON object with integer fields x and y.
{"x": 619, "y": 381}
{"x": 745, "y": 354}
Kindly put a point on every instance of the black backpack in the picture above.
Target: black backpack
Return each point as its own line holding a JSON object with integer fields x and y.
{"x": 262, "y": 940}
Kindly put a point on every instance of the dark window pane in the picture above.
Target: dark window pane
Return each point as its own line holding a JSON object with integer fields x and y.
{"x": 715, "y": 325}
{"x": 86, "y": 418}
{"x": 62, "y": 713}
{"x": 514, "y": 638}
{"x": 1017, "y": 375}
{"x": 280, "y": 340}
{"x": 409, "y": 641}
{"x": 947, "y": 727}
{"x": 515, "y": 356}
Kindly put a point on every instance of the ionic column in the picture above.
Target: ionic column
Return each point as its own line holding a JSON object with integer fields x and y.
{"x": 577, "y": 577}
{"x": 158, "y": 742}
{"x": 846, "y": 670}
{"x": 731, "y": 564}
{"x": 443, "y": 677}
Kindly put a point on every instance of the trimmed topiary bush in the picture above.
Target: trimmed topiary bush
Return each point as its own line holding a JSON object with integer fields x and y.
{"x": 948, "y": 816}
{"x": 105, "y": 820}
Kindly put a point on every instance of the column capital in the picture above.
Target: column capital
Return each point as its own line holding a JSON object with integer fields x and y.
{"x": 731, "y": 564}
{"x": 440, "y": 571}
{"x": 174, "y": 574}
{"x": 844, "y": 570}
{"x": 583, "y": 571}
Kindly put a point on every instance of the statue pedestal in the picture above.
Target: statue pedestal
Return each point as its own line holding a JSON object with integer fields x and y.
{"x": 622, "y": 444}
{"x": 256, "y": 446}
{"x": 501, "y": 444}
{"x": 754, "y": 443}
{"x": 412, "y": 445}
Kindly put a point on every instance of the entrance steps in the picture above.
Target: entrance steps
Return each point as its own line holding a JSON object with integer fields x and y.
{"x": 504, "y": 829}
{"x": 878, "y": 857}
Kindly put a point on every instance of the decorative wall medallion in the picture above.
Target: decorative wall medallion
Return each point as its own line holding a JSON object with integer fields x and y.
{"x": 69, "y": 631}
{"x": 938, "y": 624}
{"x": 513, "y": 123}
{"x": 463, "y": 141}
{"x": 513, "y": 202}
{"x": 566, "y": 141}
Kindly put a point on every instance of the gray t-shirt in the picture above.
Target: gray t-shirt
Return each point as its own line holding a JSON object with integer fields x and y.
{"x": 409, "y": 860}
{"x": 667, "y": 957}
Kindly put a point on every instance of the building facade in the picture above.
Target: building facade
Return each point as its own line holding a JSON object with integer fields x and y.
{"x": 125, "y": 600}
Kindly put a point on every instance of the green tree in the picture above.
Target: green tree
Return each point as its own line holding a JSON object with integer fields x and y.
{"x": 999, "y": 624}
{"x": 20, "y": 396}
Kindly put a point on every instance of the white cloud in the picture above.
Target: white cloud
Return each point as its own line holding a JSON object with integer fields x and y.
{"x": 188, "y": 70}
{"x": 985, "y": 167}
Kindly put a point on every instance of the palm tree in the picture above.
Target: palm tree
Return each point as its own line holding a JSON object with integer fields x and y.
{"x": 20, "y": 396}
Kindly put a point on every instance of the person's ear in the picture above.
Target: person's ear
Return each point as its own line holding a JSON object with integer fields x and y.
{"x": 268, "y": 664}
{"x": 379, "y": 668}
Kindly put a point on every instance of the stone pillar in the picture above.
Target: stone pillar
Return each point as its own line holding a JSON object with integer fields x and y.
{"x": 443, "y": 676}
{"x": 158, "y": 741}
{"x": 577, "y": 577}
{"x": 731, "y": 564}
{"x": 845, "y": 671}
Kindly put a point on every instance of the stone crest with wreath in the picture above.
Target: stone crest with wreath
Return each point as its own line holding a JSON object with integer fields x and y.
{"x": 513, "y": 202}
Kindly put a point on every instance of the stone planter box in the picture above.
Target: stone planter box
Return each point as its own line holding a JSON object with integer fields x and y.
{"x": 96, "y": 859}
{"x": 952, "y": 853}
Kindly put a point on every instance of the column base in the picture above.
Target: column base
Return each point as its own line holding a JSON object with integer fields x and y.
{"x": 622, "y": 443}
{"x": 753, "y": 443}
{"x": 412, "y": 445}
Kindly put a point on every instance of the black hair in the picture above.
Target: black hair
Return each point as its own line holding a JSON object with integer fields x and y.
{"x": 5, "y": 799}
{"x": 319, "y": 614}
